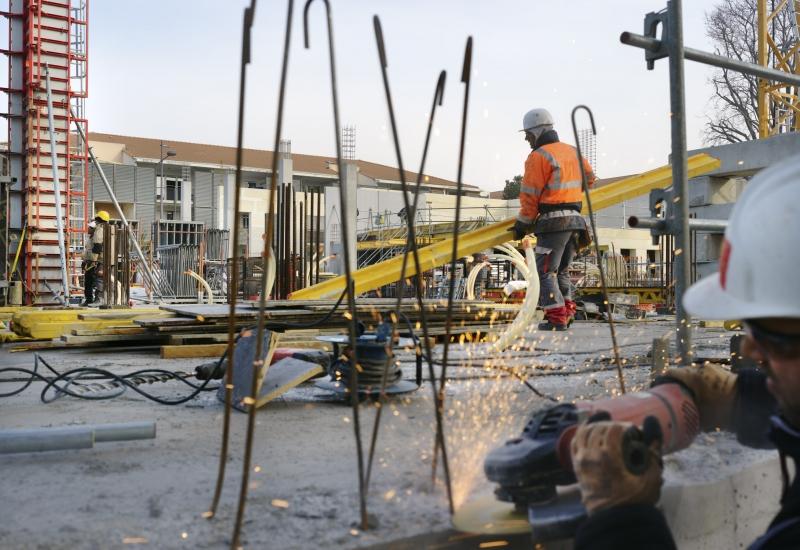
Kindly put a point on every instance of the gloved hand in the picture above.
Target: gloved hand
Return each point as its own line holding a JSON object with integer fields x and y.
{"x": 617, "y": 464}
{"x": 521, "y": 229}
{"x": 714, "y": 390}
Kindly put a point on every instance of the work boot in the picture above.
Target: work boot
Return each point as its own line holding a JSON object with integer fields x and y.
{"x": 96, "y": 303}
{"x": 571, "y": 307}
{"x": 547, "y": 325}
{"x": 556, "y": 318}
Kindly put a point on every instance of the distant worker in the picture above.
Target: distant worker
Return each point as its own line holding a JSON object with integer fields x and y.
{"x": 93, "y": 261}
{"x": 760, "y": 405}
{"x": 551, "y": 198}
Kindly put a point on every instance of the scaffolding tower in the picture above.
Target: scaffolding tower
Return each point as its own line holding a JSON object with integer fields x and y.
{"x": 778, "y": 102}
{"x": 52, "y": 34}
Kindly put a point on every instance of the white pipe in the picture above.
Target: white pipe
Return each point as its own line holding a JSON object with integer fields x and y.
{"x": 511, "y": 251}
{"x": 271, "y": 270}
{"x": 72, "y": 437}
{"x": 203, "y": 282}
{"x": 527, "y": 312}
{"x": 472, "y": 277}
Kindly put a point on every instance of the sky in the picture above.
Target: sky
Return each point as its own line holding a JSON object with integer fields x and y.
{"x": 169, "y": 69}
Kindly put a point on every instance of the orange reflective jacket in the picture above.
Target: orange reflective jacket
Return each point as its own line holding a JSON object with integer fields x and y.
{"x": 552, "y": 176}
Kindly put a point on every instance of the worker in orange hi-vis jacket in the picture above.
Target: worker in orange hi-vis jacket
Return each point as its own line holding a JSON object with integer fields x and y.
{"x": 551, "y": 197}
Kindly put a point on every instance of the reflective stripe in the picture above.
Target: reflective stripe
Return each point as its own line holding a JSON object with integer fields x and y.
{"x": 523, "y": 219}
{"x": 556, "y": 177}
{"x": 574, "y": 184}
{"x": 558, "y": 214}
{"x": 530, "y": 190}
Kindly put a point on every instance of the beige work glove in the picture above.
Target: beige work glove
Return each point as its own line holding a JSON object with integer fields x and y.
{"x": 714, "y": 390}
{"x": 618, "y": 464}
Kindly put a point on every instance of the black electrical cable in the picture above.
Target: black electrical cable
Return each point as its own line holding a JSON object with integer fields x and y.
{"x": 62, "y": 383}
{"x": 318, "y": 322}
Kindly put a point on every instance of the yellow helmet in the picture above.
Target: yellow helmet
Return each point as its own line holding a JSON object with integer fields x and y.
{"x": 103, "y": 215}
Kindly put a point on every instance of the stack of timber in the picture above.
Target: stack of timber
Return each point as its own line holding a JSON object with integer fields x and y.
{"x": 204, "y": 327}
{"x": 288, "y": 314}
{"x": 301, "y": 321}
{"x": 81, "y": 326}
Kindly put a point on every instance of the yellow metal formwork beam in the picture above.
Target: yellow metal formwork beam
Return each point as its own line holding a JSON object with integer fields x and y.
{"x": 437, "y": 254}
{"x": 635, "y": 186}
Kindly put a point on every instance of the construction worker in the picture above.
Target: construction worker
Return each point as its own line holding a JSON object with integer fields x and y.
{"x": 757, "y": 282}
{"x": 93, "y": 261}
{"x": 551, "y": 198}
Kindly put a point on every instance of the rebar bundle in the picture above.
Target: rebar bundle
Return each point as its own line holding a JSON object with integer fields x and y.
{"x": 216, "y": 244}
{"x": 174, "y": 261}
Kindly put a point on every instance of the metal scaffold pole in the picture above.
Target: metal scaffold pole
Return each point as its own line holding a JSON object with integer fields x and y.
{"x": 62, "y": 252}
{"x": 680, "y": 179}
{"x": 678, "y": 223}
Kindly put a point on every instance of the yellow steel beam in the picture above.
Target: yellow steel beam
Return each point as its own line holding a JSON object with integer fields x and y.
{"x": 437, "y": 254}
{"x": 634, "y": 186}
{"x": 384, "y": 243}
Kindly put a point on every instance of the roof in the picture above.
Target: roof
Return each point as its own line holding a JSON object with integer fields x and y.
{"x": 147, "y": 148}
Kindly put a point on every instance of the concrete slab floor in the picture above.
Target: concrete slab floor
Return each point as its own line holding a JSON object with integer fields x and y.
{"x": 303, "y": 491}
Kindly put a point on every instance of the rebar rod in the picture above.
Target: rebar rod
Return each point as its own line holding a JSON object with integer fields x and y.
{"x": 318, "y": 234}
{"x": 348, "y": 261}
{"x": 438, "y": 98}
{"x": 412, "y": 238}
{"x": 466, "y": 77}
{"x": 258, "y": 362}
{"x": 601, "y": 270}
{"x": 247, "y": 25}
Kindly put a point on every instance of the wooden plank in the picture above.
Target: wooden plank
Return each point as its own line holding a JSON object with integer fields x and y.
{"x": 108, "y": 331}
{"x": 197, "y": 350}
{"x": 209, "y": 311}
{"x": 99, "y": 340}
{"x": 119, "y": 314}
{"x": 194, "y": 338}
{"x": 166, "y": 321}
{"x": 285, "y": 375}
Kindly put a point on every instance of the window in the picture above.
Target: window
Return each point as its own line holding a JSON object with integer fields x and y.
{"x": 172, "y": 186}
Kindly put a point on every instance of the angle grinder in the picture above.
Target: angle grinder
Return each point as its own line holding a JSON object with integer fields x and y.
{"x": 534, "y": 475}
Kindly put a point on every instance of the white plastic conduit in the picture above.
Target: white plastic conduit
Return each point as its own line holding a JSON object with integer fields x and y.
{"x": 472, "y": 277}
{"x": 527, "y": 311}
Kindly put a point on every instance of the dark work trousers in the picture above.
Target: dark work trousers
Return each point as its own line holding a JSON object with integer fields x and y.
{"x": 554, "y": 252}
{"x": 89, "y": 282}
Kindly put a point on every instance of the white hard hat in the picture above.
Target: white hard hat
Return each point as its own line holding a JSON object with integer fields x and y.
{"x": 760, "y": 259}
{"x": 536, "y": 117}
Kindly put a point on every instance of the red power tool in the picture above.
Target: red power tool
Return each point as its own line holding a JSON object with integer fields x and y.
{"x": 530, "y": 468}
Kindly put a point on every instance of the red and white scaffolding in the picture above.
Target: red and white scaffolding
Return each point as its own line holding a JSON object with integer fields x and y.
{"x": 53, "y": 34}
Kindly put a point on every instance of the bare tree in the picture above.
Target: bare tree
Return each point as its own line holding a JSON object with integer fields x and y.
{"x": 732, "y": 26}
